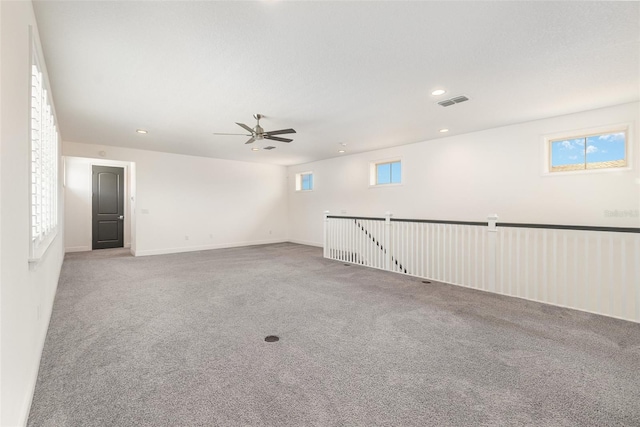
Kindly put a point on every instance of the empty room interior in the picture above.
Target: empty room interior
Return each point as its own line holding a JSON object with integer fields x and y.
{"x": 310, "y": 213}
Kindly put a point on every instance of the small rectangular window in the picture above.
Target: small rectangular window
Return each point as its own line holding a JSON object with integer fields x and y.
{"x": 388, "y": 173}
{"x": 304, "y": 181}
{"x": 307, "y": 181}
{"x": 584, "y": 152}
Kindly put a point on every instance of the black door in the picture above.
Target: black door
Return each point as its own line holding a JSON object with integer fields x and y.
{"x": 108, "y": 207}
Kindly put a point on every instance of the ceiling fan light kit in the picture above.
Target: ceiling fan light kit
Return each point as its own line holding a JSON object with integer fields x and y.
{"x": 257, "y": 133}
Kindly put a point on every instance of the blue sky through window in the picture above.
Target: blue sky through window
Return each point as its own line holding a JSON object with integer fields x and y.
{"x": 593, "y": 149}
{"x": 384, "y": 173}
{"x": 604, "y": 148}
{"x": 307, "y": 181}
{"x": 395, "y": 172}
{"x": 388, "y": 173}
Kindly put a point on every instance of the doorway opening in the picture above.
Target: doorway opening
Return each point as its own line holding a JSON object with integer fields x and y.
{"x": 109, "y": 184}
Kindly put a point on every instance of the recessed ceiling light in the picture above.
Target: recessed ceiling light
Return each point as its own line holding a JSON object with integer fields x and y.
{"x": 141, "y": 131}
{"x": 255, "y": 149}
{"x": 438, "y": 92}
{"x": 340, "y": 151}
{"x": 444, "y": 130}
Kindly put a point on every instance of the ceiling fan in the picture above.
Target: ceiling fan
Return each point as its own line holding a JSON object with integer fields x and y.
{"x": 258, "y": 133}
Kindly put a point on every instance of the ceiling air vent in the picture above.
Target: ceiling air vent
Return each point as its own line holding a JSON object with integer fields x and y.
{"x": 454, "y": 100}
{"x": 459, "y": 99}
{"x": 446, "y": 102}
{"x": 269, "y": 147}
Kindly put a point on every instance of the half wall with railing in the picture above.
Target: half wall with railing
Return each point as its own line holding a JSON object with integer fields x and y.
{"x": 594, "y": 269}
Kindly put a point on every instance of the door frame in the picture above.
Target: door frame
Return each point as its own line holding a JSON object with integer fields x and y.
{"x": 129, "y": 199}
{"x": 83, "y": 205}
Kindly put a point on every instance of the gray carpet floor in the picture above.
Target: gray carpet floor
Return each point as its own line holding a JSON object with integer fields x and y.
{"x": 178, "y": 340}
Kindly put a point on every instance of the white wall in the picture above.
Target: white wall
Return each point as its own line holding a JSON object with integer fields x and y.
{"x": 26, "y": 295}
{"x": 214, "y": 203}
{"x": 78, "y": 201}
{"x": 469, "y": 176}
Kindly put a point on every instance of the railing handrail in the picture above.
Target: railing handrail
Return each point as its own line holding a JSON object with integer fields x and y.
{"x": 357, "y": 217}
{"x": 570, "y": 227}
{"x": 502, "y": 224}
{"x": 439, "y": 221}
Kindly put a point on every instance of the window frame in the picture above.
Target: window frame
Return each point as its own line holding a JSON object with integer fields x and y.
{"x": 299, "y": 181}
{"x": 549, "y": 139}
{"x": 44, "y": 151}
{"x": 373, "y": 172}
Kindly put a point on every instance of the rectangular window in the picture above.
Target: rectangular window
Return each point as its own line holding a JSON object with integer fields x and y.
{"x": 304, "y": 181}
{"x": 388, "y": 173}
{"x": 307, "y": 181}
{"x": 590, "y": 151}
{"x": 44, "y": 165}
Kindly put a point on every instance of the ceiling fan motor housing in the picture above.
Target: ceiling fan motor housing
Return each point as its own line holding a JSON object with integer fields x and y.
{"x": 258, "y": 131}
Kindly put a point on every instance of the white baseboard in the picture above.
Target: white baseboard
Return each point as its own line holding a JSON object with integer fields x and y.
{"x": 165, "y": 251}
{"x": 77, "y": 249}
{"x": 87, "y": 248}
{"x": 304, "y": 242}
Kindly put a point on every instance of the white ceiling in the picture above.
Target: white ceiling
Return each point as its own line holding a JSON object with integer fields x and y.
{"x": 358, "y": 73}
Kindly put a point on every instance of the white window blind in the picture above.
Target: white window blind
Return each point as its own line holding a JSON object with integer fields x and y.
{"x": 44, "y": 166}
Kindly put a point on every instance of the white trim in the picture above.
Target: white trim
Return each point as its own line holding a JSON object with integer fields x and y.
{"x": 206, "y": 247}
{"x": 77, "y": 249}
{"x": 306, "y": 243}
{"x": 394, "y": 184}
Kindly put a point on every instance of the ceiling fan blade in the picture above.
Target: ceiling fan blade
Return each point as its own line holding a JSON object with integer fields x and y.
{"x": 242, "y": 125}
{"x": 275, "y": 138}
{"x": 250, "y": 141}
{"x": 243, "y": 134}
{"x": 280, "y": 132}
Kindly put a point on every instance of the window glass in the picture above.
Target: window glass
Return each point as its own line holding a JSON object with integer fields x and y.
{"x": 588, "y": 152}
{"x": 388, "y": 173}
{"x": 383, "y": 173}
{"x": 304, "y": 181}
{"x": 606, "y": 151}
{"x": 395, "y": 172}
{"x": 307, "y": 181}
{"x": 567, "y": 154}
